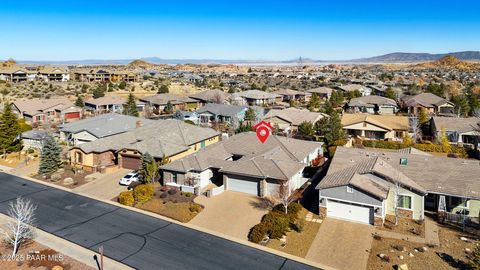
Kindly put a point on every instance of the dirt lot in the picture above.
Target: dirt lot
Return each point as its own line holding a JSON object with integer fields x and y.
{"x": 78, "y": 179}
{"x": 404, "y": 226}
{"x": 35, "y": 256}
{"x": 178, "y": 205}
{"x": 298, "y": 244}
{"x": 449, "y": 255}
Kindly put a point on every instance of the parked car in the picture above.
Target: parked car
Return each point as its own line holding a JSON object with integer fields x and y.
{"x": 129, "y": 178}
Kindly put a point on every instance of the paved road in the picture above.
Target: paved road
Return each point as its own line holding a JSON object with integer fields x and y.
{"x": 137, "y": 240}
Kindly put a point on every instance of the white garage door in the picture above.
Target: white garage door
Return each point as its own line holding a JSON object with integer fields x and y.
{"x": 245, "y": 186}
{"x": 356, "y": 213}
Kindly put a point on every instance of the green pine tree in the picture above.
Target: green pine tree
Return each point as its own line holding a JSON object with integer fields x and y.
{"x": 79, "y": 102}
{"x": 9, "y": 131}
{"x": 306, "y": 129}
{"x": 144, "y": 161}
{"x": 250, "y": 115}
{"x": 331, "y": 128}
{"x": 130, "y": 107}
{"x": 314, "y": 102}
{"x": 169, "y": 108}
{"x": 390, "y": 93}
{"x": 50, "y": 160}
{"x": 163, "y": 89}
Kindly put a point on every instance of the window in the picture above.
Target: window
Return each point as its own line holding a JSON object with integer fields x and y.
{"x": 404, "y": 201}
{"x": 349, "y": 189}
{"x": 174, "y": 178}
{"x": 458, "y": 202}
{"x": 78, "y": 157}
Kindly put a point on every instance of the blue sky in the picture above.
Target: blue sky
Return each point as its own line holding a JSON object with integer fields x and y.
{"x": 273, "y": 30}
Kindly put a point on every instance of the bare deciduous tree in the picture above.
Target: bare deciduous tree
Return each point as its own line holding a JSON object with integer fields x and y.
{"x": 18, "y": 230}
{"x": 285, "y": 195}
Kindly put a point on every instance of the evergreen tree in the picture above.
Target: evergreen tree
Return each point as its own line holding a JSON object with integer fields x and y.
{"x": 250, "y": 115}
{"x": 328, "y": 108}
{"x": 331, "y": 128}
{"x": 50, "y": 160}
{"x": 422, "y": 116}
{"x": 9, "y": 131}
{"x": 243, "y": 128}
{"x": 306, "y": 129}
{"x": 462, "y": 106}
{"x": 169, "y": 108}
{"x": 336, "y": 98}
{"x": 79, "y": 102}
{"x": 130, "y": 107}
{"x": 444, "y": 141}
{"x": 122, "y": 85}
{"x": 390, "y": 93}
{"x": 99, "y": 91}
{"x": 144, "y": 161}
{"x": 163, "y": 89}
{"x": 314, "y": 102}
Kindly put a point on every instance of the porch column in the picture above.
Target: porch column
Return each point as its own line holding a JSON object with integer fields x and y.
{"x": 442, "y": 207}
{"x": 263, "y": 188}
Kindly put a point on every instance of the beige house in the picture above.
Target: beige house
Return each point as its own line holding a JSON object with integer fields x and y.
{"x": 376, "y": 127}
{"x": 289, "y": 119}
{"x": 431, "y": 103}
{"x": 171, "y": 139}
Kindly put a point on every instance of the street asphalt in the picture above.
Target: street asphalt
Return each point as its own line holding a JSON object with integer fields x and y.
{"x": 137, "y": 240}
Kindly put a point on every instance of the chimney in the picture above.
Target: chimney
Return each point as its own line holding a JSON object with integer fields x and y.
{"x": 138, "y": 124}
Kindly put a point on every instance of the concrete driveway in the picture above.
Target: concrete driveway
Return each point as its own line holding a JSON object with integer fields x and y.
{"x": 342, "y": 244}
{"x": 105, "y": 186}
{"x": 231, "y": 213}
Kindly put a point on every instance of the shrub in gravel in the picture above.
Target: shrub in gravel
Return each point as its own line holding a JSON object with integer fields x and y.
{"x": 126, "y": 198}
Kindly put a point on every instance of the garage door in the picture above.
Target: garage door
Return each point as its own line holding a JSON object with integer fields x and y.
{"x": 245, "y": 186}
{"x": 356, "y": 213}
{"x": 129, "y": 162}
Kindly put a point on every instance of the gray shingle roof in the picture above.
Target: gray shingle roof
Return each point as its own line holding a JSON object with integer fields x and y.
{"x": 441, "y": 175}
{"x": 211, "y": 95}
{"x": 295, "y": 116}
{"x": 222, "y": 109}
{"x": 278, "y": 158}
{"x": 257, "y": 94}
{"x": 427, "y": 100}
{"x": 104, "y": 125}
{"x": 371, "y": 101}
{"x": 457, "y": 124}
{"x": 163, "y": 99}
{"x": 159, "y": 138}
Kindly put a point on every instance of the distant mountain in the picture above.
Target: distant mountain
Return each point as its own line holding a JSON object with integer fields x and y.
{"x": 400, "y": 57}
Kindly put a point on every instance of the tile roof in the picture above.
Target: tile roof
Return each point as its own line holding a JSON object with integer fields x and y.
{"x": 371, "y": 101}
{"x": 222, "y": 109}
{"x": 163, "y": 99}
{"x": 257, "y": 94}
{"x": 213, "y": 95}
{"x": 427, "y": 100}
{"x": 34, "y": 106}
{"x": 106, "y": 100}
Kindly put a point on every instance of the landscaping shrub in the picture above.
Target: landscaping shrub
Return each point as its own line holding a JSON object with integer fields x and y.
{"x": 292, "y": 213}
{"x": 143, "y": 193}
{"x": 172, "y": 191}
{"x": 277, "y": 224}
{"x": 257, "y": 233}
{"x": 163, "y": 195}
{"x": 299, "y": 225}
{"x": 126, "y": 198}
{"x": 30, "y": 151}
{"x": 188, "y": 194}
{"x": 195, "y": 208}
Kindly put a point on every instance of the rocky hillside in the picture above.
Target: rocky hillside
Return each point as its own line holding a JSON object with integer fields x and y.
{"x": 449, "y": 62}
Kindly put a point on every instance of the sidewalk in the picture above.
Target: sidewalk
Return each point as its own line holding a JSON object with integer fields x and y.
{"x": 70, "y": 249}
{"x": 431, "y": 234}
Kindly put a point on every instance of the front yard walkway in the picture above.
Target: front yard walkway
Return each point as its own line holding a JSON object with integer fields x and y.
{"x": 231, "y": 213}
{"x": 105, "y": 186}
{"x": 342, "y": 244}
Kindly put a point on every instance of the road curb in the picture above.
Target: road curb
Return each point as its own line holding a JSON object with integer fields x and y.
{"x": 191, "y": 226}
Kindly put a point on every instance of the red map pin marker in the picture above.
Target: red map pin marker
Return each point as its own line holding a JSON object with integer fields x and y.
{"x": 263, "y": 130}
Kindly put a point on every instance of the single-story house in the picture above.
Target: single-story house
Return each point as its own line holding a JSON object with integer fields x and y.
{"x": 100, "y": 126}
{"x": 458, "y": 130}
{"x": 289, "y": 94}
{"x": 106, "y": 104}
{"x": 258, "y": 97}
{"x": 365, "y": 91}
{"x": 158, "y": 102}
{"x": 289, "y": 119}
{"x": 432, "y": 103}
{"x": 211, "y": 96}
{"x": 33, "y": 139}
{"x": 243, "y": 164}
{"x": 39, "y": 111}
{"x": 227, "y": 114}
{"x": 322, "y": 92}
{"x": 367, "y": 186}
{"x": 172, "y": 139}
{"x": 372, "y": 104}
{"x": 376, "y": 127}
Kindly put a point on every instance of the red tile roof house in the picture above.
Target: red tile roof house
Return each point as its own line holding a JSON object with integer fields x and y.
{"x": 39, "y": 111}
